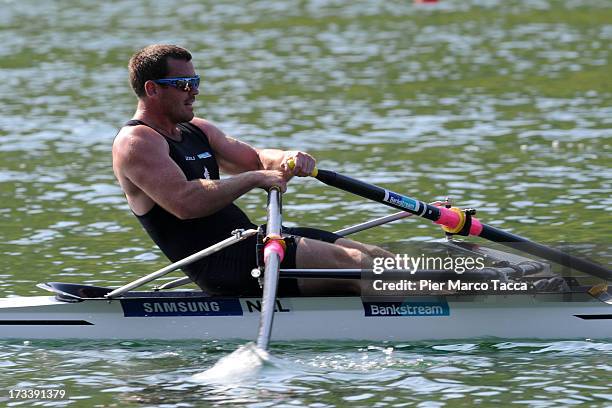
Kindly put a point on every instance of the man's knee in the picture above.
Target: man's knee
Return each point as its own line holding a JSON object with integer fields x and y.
{"x": 378, "y": 252}
{"x": 351, "y": 258}
{"x": 372, "y": 251}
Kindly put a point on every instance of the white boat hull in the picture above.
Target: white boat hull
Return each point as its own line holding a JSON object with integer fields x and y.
{"x": 544, "y": 316}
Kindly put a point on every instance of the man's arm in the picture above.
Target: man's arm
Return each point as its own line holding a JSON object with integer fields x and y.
{"x": 142, "y": 164}
{"x": 236, "y": 157}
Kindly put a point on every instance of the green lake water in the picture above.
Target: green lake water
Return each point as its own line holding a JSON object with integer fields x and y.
{"x": 505, "y": 106}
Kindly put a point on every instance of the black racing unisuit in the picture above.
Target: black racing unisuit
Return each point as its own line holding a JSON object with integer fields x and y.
{"x": 179, "y": 238}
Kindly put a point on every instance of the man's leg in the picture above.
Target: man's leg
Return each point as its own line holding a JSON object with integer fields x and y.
{"x": 314, "y": 254}
{"x": 372, "y": 250}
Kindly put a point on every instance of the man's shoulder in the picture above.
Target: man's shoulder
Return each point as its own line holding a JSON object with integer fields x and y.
{"x": 204, "y": 125}
{"x": 131, "y": 139}
{"x": 212, "y": 131}
{"x": 137, "y": 132}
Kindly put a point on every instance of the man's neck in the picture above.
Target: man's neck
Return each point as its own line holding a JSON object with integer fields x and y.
{"x": 157, "y": 121}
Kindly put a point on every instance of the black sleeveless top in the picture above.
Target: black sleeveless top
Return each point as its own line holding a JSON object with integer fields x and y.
{"x": 180, "y": 238}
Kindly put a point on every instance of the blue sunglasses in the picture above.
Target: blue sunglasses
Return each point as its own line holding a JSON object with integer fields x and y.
{"x": 184, "y": 83}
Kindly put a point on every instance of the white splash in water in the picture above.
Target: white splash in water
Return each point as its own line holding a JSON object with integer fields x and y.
{"x": 243, "y": 363}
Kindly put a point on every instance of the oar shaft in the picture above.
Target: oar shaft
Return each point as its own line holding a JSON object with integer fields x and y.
{"x": 449, "y": 218}
{"x": 272, "y": 258}
{"x": 375, "y": 193}
{"x": 554, "y": 255}
{"x": 439, "y": 215}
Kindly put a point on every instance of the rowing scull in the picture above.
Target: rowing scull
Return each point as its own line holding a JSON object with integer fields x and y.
{"x": 191, "y": 315}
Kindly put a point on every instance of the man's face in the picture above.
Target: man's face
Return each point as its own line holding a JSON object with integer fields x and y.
{"x": 178, "y": 103}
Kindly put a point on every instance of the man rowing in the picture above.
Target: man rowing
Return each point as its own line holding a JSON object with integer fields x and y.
{"x": 168, "y": 163}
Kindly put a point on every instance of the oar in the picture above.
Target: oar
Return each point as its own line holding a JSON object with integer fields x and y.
{"x": 454, "y": 220}
{"x": 274, "y": 252}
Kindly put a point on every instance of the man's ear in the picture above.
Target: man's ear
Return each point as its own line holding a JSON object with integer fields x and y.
{"x": 150, "y": 88}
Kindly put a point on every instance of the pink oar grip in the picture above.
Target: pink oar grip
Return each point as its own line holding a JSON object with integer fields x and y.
{"x": 451, "y": 219}
{"x": 274, "y": 247}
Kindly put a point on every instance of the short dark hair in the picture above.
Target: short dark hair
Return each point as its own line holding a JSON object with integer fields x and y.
{"x": 152, "y": 63}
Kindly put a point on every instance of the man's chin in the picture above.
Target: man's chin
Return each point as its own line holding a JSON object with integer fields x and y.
{"x": 185, "y": 117}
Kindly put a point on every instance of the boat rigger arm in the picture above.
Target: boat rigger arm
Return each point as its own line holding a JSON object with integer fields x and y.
{"x": 239, "y": 235}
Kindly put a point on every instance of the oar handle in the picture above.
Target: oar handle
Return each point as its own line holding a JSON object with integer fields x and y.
{"x": 291, "y": 164}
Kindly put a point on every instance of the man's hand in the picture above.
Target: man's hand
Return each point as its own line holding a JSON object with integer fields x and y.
{"x": 272, "y": 178}
{"x": 304, "y": 163}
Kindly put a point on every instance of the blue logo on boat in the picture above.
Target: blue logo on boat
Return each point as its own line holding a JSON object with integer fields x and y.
{"x": 400, "y": 200}
{"x": 181, "y": 307}
{"x": 408, "y": 308}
